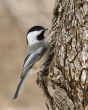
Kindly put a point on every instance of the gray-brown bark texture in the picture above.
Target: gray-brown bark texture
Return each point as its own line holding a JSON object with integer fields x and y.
{"x": 66, "y": 84}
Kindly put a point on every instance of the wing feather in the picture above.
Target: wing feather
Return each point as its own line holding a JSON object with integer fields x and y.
{"x": 31, "y": 59}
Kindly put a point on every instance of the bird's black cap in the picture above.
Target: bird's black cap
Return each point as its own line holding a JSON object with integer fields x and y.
{"x": 36, "y": 28}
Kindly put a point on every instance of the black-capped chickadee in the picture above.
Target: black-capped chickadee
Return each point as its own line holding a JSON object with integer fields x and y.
{"x": 37, "y": 54}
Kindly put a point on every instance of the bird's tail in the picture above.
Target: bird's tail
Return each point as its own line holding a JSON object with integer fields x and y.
{"x": 18, "y": 87}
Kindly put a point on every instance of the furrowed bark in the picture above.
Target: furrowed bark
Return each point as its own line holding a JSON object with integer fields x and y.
{"x": 65, "y": 85}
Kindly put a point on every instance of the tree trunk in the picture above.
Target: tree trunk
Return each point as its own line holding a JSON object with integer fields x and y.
{"x": 65, "y": 85}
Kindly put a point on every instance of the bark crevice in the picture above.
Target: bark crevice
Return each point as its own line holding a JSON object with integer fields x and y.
{"x": 66, "y": 83}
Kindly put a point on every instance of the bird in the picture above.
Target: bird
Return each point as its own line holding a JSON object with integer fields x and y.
{"x": 37, "y": 55}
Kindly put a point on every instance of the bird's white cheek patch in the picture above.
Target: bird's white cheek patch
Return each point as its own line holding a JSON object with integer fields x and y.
{"x": 32, "y": 37}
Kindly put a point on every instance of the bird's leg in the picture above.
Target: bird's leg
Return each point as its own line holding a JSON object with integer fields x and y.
{"x": 41, "y": 75}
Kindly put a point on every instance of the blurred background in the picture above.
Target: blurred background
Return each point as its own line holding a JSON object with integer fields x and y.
{"x": 16, "y": 17}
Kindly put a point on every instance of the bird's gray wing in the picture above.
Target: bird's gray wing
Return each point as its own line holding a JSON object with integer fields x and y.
{"x": 29, "y": 61}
